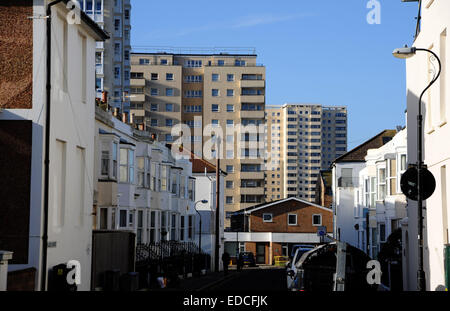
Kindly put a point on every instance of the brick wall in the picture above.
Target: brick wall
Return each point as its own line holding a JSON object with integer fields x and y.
{"x": 16, "y": 50}
{"x": 304, "y": 212}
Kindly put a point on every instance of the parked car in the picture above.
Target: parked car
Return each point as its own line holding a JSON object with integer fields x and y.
{"x": 316, "y": 268}
{"x": 296, "y": 246}
{"x": 291, "y": 268}
{"x": 249, "y": 259}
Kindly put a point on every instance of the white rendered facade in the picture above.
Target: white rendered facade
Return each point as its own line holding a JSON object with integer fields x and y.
{"x": 140, "y": 186}
{"x": 435, "y": 107}
{"x": 71, "y": 144}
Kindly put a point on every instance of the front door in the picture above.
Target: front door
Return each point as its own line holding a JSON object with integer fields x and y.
{"x": 260, "y": 253}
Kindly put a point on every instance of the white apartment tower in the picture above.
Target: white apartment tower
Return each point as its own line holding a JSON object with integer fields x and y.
{"x": 303, "y": 139}
{"x": 112, "y": 59}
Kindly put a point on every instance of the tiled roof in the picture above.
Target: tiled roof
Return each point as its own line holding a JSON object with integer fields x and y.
{"x": 359, "y": 153}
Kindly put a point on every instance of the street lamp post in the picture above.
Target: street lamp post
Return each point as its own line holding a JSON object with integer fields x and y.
{"x": 200, "y": 229}
{"x": 404, "y": 53}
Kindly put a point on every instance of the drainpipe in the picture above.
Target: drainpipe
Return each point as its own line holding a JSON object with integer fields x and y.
{"x": 47, "y": 146}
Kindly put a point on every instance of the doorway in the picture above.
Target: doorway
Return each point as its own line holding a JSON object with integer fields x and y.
{"x": 260, "y": 253}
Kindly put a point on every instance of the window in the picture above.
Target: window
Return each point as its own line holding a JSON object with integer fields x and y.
{"x": 116, "y": 24}
{"x": 116, "y": 72}
{"x": 164, "y": 177}
{"x": 190, "y": 227}
{"x": 105, "y": 163}
{"x": 215, "y": 108}
{"x": 230, "y": 108}
{"x": 123, "y": 218}
{"x": 215, "y": 123}
{"x": 381, "y": 183}
{"x": 144, "y": 61}
{"x": 141, "y": 171}
{"x": 152, "y": 226}
{"x": 214, "y": 92}
{"x": 230, "y": 92}
{"x": 267, "y": 218}
{"x": 169, "y": 122}
{"x": 182, "y": 224}
{"x": 215, "y": 77}
{"x": 230, "y": 77}
{"x": 220, "y": 62}
{"x": 114, "y": 171}
{"x": 154, "y": 76}
{"x": 169, "y": 92}
{"x": 173, "y": 228}
{"x": 169, "y": 76}
{"x": 126, "y": 165}
{"x": 191, "y": 189}
{"x": 154, "y": 92}
{"x": 229, "y": 200}
{"x": 392, "y": 177}
{"x": 230, "y": 169}
{"x": 317, "y": 220}
{"x": 169, "y": 107}
{"x": 230, "y": 184}
{"x": 163, "y": 62}
{"x": 239, "y": 63}
{"x": 230, "y": 123}
{"x": 292, "y": 219}
{"x": 193, "y": 63}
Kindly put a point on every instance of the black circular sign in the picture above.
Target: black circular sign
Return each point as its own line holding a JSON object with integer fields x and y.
{"x": 408, "y": 183}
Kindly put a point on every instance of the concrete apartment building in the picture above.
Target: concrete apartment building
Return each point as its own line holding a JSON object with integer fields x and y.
{"x": 112, "y": 58}
{"x": 219, "y": 91}
{"x": 303, "y": 139}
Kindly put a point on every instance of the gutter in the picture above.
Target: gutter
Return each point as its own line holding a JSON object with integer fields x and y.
{"x": 47, "y": 146}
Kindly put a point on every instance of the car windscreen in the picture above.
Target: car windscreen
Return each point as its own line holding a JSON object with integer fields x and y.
{"x": 300, "y": 253}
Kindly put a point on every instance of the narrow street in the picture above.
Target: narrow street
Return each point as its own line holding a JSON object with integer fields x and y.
{"x": 264, "y": 278}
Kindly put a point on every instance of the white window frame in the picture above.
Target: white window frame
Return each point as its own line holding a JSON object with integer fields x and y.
{"x": 296, "y": 220}
{"x": 321, "y": 220}
{"x": 267, "y": 214}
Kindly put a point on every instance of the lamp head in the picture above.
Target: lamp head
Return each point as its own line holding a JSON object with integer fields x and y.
{"x": 404, "y": 52}
{"x": 204, "y": 201}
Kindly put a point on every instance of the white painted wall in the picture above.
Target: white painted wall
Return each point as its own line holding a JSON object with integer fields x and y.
{"x": 71, "y": 193}
{"x": 436, "y": 109}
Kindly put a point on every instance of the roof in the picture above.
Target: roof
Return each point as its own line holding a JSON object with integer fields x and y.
{"x": 266, "y": 205}
{"x": 358, "y": 153}
{"x": 199, "y": 164}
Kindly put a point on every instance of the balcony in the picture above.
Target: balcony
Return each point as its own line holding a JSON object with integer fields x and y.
{"x": 253, "y": 191}
{"x": 137, "y": 82}
{"x": 253, "y": 83}
{"x": 253, "y": 99}
{"x": 348, "y": 182}
{"x": 256, "y": 114}
{"x": 251, "y": 175}
{"x": 138, "y": 98}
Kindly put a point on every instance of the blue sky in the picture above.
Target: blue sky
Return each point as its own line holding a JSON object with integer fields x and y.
{"x": 320, "y": 52}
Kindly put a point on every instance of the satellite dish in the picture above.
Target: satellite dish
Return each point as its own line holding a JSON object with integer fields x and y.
{"x": 408, "y": 183}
